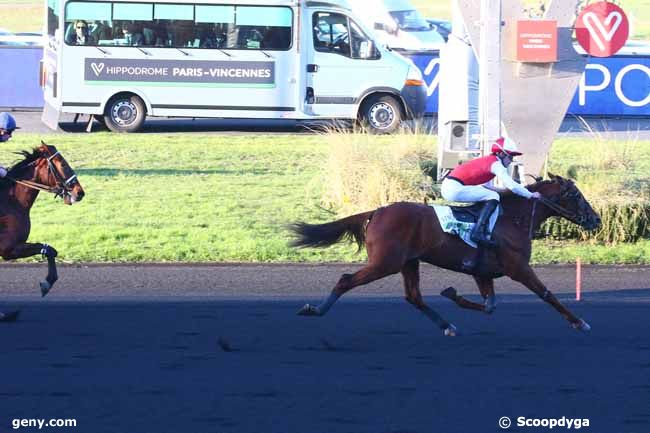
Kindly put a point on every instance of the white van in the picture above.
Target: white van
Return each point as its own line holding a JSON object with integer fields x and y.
{"x": 398, "y": 24}
{"x": 265, "y": 59}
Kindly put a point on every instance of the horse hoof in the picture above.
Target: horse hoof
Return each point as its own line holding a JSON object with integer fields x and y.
{"x": 308, "y": 310}
{"x": 449, "y": 292}
{"x": 45, "y": 288}
{"x": 581, "y": 326}
{"x": 11, "y": 316}
{"x": 450, "y": 331}
{"x": 490, "y": 305}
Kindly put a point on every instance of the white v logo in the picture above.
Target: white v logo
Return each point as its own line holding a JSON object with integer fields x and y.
{"x": 599, "y": 33}
{"x": 97, "y": 68}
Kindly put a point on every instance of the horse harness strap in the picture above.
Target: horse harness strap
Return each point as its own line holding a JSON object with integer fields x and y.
{"x": 532, "y": 220}
{"x": 557, "y": 208}
{"x": 35, "y": 185}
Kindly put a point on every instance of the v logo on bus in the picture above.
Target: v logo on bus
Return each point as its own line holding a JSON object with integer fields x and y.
{"x": 97, "y": 68}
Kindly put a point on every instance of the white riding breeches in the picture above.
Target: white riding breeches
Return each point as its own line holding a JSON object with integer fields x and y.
{"x": 452, "y": 190}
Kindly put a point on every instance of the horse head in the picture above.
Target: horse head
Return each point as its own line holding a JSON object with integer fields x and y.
{"x": 51, "y": 173}
{"x": 60, "y": 176}
{"x": 564, "y": 197}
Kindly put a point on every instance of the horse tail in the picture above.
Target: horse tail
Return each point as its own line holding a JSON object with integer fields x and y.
{"x": 324, "y": 235}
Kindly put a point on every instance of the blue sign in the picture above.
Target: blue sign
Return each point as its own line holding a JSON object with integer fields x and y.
{"x": 613, "y": 86}
{"x": 429, "y": 65}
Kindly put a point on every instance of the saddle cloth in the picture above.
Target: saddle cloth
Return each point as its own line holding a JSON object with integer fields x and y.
{"x": 460, "y": 220}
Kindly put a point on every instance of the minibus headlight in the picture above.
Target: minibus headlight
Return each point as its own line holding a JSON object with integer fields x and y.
{"x": 414, "y": 77}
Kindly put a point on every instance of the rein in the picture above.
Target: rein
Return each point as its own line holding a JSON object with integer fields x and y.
{"x": 532, "y": 220}
{"x": 36, "y": 185}
{"x": 557, "y": 208}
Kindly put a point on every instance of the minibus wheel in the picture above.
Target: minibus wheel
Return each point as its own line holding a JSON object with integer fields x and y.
{"x": 381, "y": 114}
{"x": 125, "y": 113}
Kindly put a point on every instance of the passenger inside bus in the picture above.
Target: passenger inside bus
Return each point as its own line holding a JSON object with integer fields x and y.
{"x": 132, "y": 37}
{"x": 276, "y": 38}
{"x": 79, "y": 34}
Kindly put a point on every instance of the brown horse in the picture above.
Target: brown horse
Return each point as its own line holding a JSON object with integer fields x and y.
{"x": 44, "y": 169}
{"x": 398, "y": 237}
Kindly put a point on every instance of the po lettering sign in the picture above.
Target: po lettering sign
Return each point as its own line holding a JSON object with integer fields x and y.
{"x": 602, "y": 29}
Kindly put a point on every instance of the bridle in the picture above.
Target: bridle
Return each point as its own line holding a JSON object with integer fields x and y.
{"x": 63, "y": 186}
{"x": 560, "y": 210}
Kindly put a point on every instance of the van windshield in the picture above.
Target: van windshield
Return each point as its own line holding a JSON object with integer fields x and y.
{"x": 410, "y": 21}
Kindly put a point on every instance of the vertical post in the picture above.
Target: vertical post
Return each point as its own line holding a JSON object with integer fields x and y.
{"x": 490, "y": 73}
{"x": 578, "y": 279}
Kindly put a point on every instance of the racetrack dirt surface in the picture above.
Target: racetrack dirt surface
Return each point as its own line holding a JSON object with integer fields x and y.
{"x": 139, "y": 349}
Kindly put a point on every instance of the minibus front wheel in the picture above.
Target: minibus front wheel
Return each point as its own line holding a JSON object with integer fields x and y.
{"x": 381, "y": 114}
{"x": 125, "y": 112}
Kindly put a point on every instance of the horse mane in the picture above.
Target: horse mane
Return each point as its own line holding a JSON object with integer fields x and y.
{"x": 16, "y": 170}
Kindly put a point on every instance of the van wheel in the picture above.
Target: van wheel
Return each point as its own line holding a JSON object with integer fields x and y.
{"x": 381, "y": 114}
{"x": 125, "y": 113}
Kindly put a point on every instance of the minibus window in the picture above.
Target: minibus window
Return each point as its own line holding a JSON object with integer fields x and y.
{"x": 331, "y": 33}
{"x": 171, "y": 25}
{"x": 362, "y": 46}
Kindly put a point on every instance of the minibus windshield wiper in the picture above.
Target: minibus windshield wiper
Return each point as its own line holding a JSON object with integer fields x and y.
{"x": 267, "y": 55}
{"x": 144, "y": 51}
{"x": 223, "y": 52}
{"x": 103, "y": 51}
{"x": 184, "y": 52}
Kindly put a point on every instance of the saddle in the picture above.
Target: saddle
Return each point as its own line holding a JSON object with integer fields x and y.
{"x": 460, "y": 220}
{"x": 467, "y": 214}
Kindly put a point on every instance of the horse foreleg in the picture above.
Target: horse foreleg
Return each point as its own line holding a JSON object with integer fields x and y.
{"x": 411, "y": 275}
{"x": 347, "y": 282}
{"x": 528, "y": 278}
{"x": 27, "y": 250}
{"x": 486, "y": 288}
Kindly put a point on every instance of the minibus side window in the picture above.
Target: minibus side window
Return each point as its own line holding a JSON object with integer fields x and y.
{"x": 168, "y": 25}
{"x": 331, "y": 33}
{"x": 362, "y": 46}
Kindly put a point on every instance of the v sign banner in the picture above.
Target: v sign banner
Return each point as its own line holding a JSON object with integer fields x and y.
{"x": 602, "y": 29}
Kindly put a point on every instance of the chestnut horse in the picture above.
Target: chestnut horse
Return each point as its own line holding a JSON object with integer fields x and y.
{"x": 399, "y": 236}
{"x": 44, "y": 169}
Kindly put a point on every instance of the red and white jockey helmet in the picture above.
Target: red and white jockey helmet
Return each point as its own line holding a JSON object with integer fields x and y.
{"x": 506, "y": 145}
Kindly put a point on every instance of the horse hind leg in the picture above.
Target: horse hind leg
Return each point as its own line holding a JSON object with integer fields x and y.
{"x": 411, "y": 275}
{"x": 485, "y": 287}
{"x": 348, "y": 282}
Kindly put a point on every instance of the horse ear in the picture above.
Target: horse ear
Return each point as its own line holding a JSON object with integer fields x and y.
{"x": 553, "y": 176}
{"x": 43, "y": 143}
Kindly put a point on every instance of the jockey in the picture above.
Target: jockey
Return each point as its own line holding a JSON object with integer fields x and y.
{"x": 7, "y": 128}
{"x": 470, "y": 182}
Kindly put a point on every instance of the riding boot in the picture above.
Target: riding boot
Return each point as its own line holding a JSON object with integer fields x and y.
{"x": 480, "y": 233}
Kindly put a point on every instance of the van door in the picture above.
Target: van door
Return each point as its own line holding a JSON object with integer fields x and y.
{"x": 343, "y": 64}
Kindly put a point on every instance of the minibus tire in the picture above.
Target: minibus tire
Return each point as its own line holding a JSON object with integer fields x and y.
{"x": 381, "y": 114}
{"x": 125, "y": 113}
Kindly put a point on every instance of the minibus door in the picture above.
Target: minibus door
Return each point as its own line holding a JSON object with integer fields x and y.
{"x": 342, "y": 62}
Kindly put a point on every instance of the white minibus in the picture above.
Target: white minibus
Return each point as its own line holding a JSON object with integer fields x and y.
{"x": 121, "y": 61}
